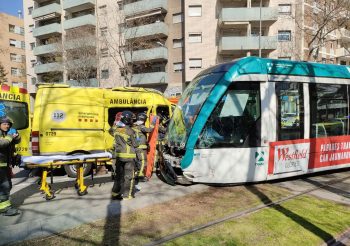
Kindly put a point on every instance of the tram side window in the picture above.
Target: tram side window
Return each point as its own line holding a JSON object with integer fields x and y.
{"x": 329, "y": 110}
{"x": 235, "y": 122}
{"x": 290, "y": 111}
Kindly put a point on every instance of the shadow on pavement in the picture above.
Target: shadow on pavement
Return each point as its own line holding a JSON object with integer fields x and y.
{"x": 20, "y": 196}
{"x": 329, "y": 188}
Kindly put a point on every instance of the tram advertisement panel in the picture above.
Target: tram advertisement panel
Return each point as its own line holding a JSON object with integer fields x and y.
{"x": 304, "y": 154}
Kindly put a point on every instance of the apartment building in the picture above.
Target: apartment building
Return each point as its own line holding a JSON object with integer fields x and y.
{"x": 164, "y": 44}
{"x": 49, "y": 24}
{"x": 12, "y": 49}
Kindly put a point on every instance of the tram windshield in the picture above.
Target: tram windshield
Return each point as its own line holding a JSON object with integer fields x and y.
{"x": 189, "y": 106}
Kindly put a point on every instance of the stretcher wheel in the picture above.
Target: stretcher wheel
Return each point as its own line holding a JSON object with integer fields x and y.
{"x": 50, "y": 197}
{"x": 82, "y": 193}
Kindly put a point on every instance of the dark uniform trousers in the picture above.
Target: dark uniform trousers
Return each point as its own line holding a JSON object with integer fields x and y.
{"x": 124, "y": 184}
{"x": 5, "y": 188}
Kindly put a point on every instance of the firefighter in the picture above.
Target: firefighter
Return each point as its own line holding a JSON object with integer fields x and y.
{"x": 125, "y": 145}
{"x": 9, "y": 137}
{"x": 141, "y": 137}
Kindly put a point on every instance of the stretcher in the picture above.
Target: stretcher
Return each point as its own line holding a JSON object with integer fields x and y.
{"x": 48, "y": 163}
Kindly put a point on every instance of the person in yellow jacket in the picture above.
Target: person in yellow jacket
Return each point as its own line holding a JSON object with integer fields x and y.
{"x": 141, "y": 138}
{"x": 8, "y": 138}
{"x": 125, "y": 145}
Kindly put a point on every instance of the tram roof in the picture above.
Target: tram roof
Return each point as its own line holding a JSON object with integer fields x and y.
{"x": 256, "y": 65}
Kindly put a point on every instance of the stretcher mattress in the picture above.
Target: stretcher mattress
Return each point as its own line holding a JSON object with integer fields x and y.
{"x": 52, "y": 158}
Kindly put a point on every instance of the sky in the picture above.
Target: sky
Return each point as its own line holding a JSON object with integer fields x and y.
{"x": 11, "y": 6}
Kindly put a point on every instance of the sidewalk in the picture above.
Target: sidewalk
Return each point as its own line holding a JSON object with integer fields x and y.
{"x": 68, "y": 210}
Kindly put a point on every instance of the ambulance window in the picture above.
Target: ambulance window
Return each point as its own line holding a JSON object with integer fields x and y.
{"x": 163, "y": 111}
{"x": 17, "y": 111}
{"x": 113, "y": 111}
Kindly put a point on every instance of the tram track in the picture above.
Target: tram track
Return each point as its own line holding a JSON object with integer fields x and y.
{"x": 244, "y": 213}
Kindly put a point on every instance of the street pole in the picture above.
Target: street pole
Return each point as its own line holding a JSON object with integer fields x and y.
{"x": 260, "y": 29}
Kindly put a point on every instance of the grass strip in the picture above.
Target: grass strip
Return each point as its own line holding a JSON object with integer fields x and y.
{"x": 151, "y": 223}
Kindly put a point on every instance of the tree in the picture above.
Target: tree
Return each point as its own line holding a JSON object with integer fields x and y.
{"x": 122, "y": 38}
{"x": 322, "y": 22}
{"x": 80, "y": 55}
{"x": 3, "y": 74}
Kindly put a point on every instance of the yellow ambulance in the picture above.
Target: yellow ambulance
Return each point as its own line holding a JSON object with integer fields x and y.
{"x": 71, "y": 120}
{"x": 14, "y": 103}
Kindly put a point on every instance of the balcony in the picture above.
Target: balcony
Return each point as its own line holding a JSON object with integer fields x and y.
{"x": 232, "y": 44}
{"x": 47, "y": 49}
{"x": 77, "y": 5}
{"x": 46, "y": 12}
{"x": 155, "y": 54}
{"x": 47, "y": 30}
{"x": 85, "y": 20}
{"x": 232, "y": 16}
{"x": 344, "y": 35}
{"x": 158, "y": 29}
{"x": 48, "y": 67}
{"x": 149, "y": 78}
{"x": 83, "y": 83}
{"x": 146, "y": 7}
{"x": 343, "y": 53}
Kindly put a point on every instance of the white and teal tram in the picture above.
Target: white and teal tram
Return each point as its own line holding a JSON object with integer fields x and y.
{"x": 257, "y": 119}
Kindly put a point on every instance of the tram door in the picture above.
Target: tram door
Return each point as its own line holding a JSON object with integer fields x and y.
{"x": 290, "y": 111}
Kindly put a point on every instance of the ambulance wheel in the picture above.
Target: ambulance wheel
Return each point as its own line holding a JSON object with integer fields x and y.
{"x": 82, "y": 193}
{"x": 71, "y": 170}
{"x": 50, "y": 197}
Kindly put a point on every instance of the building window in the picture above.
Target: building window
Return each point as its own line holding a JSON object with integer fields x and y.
{"x": 11, "y": 28}
{"x": 104, "y": 52}
{"x": 285, "y": 9}
{"x": 178, "y": 66}
{"x": 195, "y": 37}
{"x": 195, "y": 10}
{"x": 32, "y": 62}
{"x": 32, "y": 46}
{"x": 33, "y": 80}
{"x": 177, "y": 43}
{"x": 13, "y": 42}
{"x": 103, "y": 9}
{"x": 103, "y": 31}
{"x": 31, "y": 27}
{"x": 177, "y": 18}
{"x": 285, "y": 58}
{"x": 195, "y": 63}
{"x": 14, "y": 71}
{"x": 105, "y": 74}
{"x": 284, "y": 35}
{"x": 120, "y": 5}
{"x": 13, "y": 57}
{"x": 21, "y": 30}
{"x": 30, "y": 10}
{"x": 23, "y": 45}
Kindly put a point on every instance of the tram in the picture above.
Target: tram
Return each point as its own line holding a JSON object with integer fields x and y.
{"x": 256, "y": 119}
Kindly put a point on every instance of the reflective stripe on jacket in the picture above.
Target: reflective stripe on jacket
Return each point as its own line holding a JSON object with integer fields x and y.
{"x": 125, "y": 142}
{"x": 140, "y": 134}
